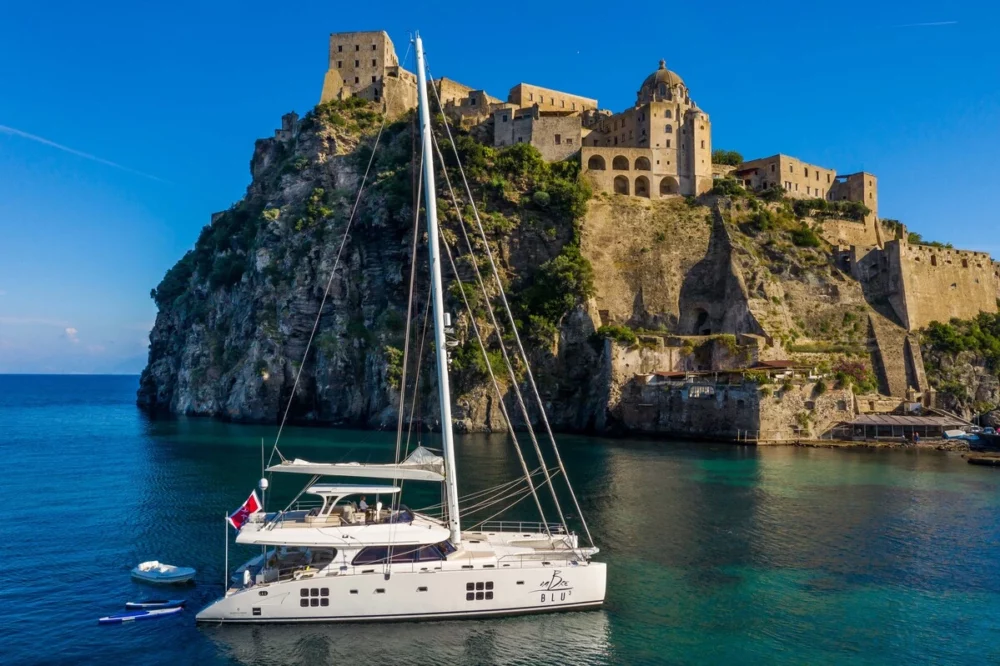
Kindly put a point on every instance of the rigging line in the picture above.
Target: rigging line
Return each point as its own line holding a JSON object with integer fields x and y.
{"x": 329, "y": 283}
{"x": 520, "y": 494}
{"x": 409, "y": 315}
{"x": 486, "y": 491}
{"x": 493, "y": 379}
{"x": 396, "y": 500}
{"x": 416, "y": 380}
{"x": 501, "y": 512}
{"x": 517, "y": 337}
{"x": 503, "y": 348}
{"x": 491, "y": 501}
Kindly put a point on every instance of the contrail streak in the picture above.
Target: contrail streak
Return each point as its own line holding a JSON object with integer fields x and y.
{"x": 79, "y": 153}
{"x": 926, "y": 25}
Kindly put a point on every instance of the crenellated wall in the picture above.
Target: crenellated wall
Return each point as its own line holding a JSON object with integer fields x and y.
{"x": 926, "y": 284}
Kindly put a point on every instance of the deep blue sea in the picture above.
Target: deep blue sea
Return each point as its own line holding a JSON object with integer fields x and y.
{"x": 716, "y": 553}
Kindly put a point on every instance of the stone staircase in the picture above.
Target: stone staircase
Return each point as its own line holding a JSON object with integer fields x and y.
{"x": 893, "y": 356}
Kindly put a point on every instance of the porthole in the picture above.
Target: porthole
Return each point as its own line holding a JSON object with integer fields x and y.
{"x": 304, "y": 592}
{"x": 470, "y": 596}
{"x": 314, "y": 592}
{"x": 489, "y": 585}
{"x": 262, "y": 593}
{"x": 324, "y": 602}
{"x": 303, "y": 602}
{"x": 421, "y": 589}
{"x": 470, "y": 586}
{"x": 479, "y": 596}
{"x": 314, "y": 602}
{"x": 354, "y": 591}
{"x": 324, "y": 592}
{"x": 489, "y": 595}
{"x": 480, "y": 586}
{"x": 380, "y": 590}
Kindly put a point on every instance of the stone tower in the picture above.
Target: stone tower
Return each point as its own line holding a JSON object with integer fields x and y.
{"x": 364, "y": 64}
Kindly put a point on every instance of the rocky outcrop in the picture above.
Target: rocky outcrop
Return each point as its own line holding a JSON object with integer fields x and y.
{"x": 231, "y": 338}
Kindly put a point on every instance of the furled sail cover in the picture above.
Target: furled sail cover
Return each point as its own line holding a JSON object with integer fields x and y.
{"x": 421, "y": 465}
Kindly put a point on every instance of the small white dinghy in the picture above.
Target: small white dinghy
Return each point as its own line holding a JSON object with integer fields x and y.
{"x": 157, "y": 572}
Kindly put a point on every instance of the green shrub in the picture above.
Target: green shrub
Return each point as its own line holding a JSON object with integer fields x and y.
{"x": 227, "y": 270}
{"x": 541, "y": 198}
{"x": 856, "y": 374}
{"x": 772, "y": 194}
{"x": 916, "y": 239}
{"x": 805, "y": 237}
{"x": 728, "y": 157}
{"x": 175, "y": 282}
{"x": 559, "y": 284}
{"x": 728, "y": 187}
{"x": 394, "y": 366}
{"x": 620, "y": 334}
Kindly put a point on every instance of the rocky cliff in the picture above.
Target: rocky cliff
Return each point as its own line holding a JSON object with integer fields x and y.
{"x": 236, "y": 312}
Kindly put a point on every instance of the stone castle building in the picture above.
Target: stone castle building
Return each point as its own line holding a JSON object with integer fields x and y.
{"x": 660, "y": 147}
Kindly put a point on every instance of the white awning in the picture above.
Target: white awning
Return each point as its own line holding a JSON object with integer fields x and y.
{"x": 421, "y": 465}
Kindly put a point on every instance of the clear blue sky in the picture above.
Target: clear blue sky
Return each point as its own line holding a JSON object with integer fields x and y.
{"x": 176, "y": 94}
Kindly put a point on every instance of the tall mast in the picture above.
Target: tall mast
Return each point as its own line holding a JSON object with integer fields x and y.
{"x": 440, "y": 350}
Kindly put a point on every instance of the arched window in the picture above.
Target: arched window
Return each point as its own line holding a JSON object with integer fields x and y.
{"x": 642, "y": 164}
{"x": 668, "y": 129}
{"x": 596, "y": 163}
{"x": 669, "y": 185}
{"x": 621, "y": 185}
{"x": 642, "y": 187}
{"x": 933, "y": 260}
{"x": 620, "y": 163}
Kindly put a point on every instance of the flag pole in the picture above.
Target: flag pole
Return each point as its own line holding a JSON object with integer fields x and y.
{"x": 225, "y": 565}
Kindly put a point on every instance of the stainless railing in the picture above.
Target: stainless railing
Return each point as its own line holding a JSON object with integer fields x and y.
{"x": 519, "y": 526}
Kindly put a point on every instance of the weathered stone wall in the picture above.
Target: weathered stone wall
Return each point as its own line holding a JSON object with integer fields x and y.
{"x": 861, "y": 186}
{"x": 802, "y": 411}
{"x": 703, "y": 410}
{"x": 800, "y": 180}
{"x": 845, "y": 233}
{"x": 556, "y": 137}
{"x": 936, "y": 284}
{"x": 526, "y": 94}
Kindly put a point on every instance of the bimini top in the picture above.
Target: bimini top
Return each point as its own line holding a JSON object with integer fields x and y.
{"x": 421, "y": 465}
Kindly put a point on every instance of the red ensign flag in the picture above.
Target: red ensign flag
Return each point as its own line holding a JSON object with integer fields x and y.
{"x": 251, "y": 506}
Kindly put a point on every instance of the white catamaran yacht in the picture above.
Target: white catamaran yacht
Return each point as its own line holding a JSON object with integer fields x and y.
{"x": 341, "y": 561}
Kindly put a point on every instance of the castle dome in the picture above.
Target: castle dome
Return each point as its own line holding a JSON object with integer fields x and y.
{"x": 657, "y": 85}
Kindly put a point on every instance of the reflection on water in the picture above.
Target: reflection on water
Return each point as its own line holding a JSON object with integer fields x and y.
{"x": 563, "y": 638}
{"x": 715, "y": 553}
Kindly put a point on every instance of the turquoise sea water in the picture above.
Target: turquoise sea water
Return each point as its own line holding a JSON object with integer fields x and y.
{"x": 716, "y": 553}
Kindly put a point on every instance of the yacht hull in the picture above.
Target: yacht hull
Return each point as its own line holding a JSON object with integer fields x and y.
{"x": 411, "y": 596}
